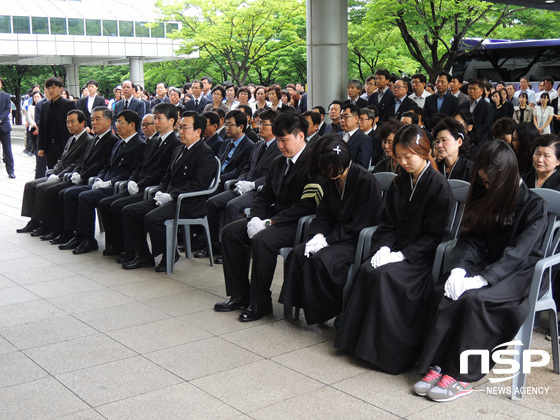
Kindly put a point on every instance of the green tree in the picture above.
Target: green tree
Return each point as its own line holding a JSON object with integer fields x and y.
{"x": 238, "y": 34}
{"x": 107, "y": 76}
{"x": 433, "y": 30}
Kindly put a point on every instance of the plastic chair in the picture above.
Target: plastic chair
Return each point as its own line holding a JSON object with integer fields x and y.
{"x": 460, "y": 190}
{"x": 172, "y": 225}
{"x": 117, "y": 188}
{"x": 385, "y": 179}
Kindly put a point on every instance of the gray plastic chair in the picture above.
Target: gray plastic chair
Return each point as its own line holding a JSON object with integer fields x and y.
{"x": 460, "y": 190}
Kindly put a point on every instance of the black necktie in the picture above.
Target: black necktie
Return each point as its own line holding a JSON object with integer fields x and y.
{"x": 261, "y": 152}
{"x": 196, "y": 103}
{"x": 289, "y": 167}
{"x": 72, "y": 142}
{"x": 126, "y": 104}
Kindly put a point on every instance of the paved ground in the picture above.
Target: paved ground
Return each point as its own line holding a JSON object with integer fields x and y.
{"x": 81, "y": 338}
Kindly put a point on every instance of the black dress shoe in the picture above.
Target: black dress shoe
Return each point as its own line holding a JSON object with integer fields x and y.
{"x": 61, "y": 239}
{"x": 71, "y": 244}
{"x": 203, "y": 253}
{"x": 49, "y": 236}
{"x": 125, "y": 257}
{"x": 162, "y": 266}
{"x": 111, "y": 251}
{"x": 139, "y": 262}
{"x": 255, "y": 312}
{"x": 86, "y": 246}
{"x": 40, "y": 231}
{"x": 232, "y": 304}
{"x": 29, "y": 227}
{"x": 11, "y": 175}
{"x": 218, "y": 260}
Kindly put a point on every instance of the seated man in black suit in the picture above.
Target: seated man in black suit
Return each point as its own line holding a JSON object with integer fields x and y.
{"x": 157, "y": 157}
{"x": 33, "y": 204}
{"x": 95, "y": 158}
{"x": 252, "y": 176}
{"x": 313, "y": 120}
{"x": 354, "y": 91}
{"x": 249, "y": 132}
{"x": 366, "y": 123}
{"x": 319, "y": 109}
{"x": 383, "y": 97}
{"x": 360, "y": 144}
{"x": 402, "y": 103}
{"x": 287, "y": 195}
{"x": 441, "y": 102}
{"x": 198, "y": 101}
{"x": 161, "y": 94}
{"x": 81, "y": 201}
{"x": 87, "y": 103}
{"x": 335, "y": 108}
{"x": 236, "y": 150}
{"x": 222, "y": 126}
{"x": 483, "y": 113}
{"x": 211, "y": 136}
{"x": 192, "y": 169}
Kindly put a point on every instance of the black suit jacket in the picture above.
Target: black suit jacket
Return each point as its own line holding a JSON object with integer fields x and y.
{"x": 238, "y": 160}
{"x": 82, "y": 106}
{"x": 361, "y": 102}
{"x": 406, "y": 105}
{"x": 483, "y": 119}
{"x": 302, "y": 106}
{"x": 383, "y": 105}
{"x": 190, "y": 170}
{"x": 156, "y": 160}
{"x": 58, "y": 144}
{"x": 73, "y": 155}
{"x": 156, "y": 101}
{"x": 249, "y": 132}
{"x": 190, "y": 106}
{"x": 449, "y": 106}
{"x": 286, "y": 197}
{"x": 123, "y": 160}
{"x": 360, "y": 145}
{"x": 134, "y": 105}
{"x": 96, "y": 156}
{"x": 377, "y": 147}
{"x": 214, "y": 143}
{"x": 257, "y": 169}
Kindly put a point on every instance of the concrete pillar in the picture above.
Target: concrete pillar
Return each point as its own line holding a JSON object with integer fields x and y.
{"x": 136, "y": 70}
{"x": 73, "y": 79}
{"x": 327, "y": 51}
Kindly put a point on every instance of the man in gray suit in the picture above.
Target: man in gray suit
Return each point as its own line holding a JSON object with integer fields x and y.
{"x": 129, "y": 102}
{"x": 5, "y": 129}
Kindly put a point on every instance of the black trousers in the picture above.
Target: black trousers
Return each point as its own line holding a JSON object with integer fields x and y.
{"x": 110, "y": 210}
{"x": 264, "y": 247}
{"x": 54, "y": 205}
{"x": 6, "y": 140}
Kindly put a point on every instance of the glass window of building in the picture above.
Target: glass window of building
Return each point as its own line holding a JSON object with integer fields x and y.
{"x": 76, "y": 27}
{"x": 170, "y": 27}
{"x": 21, "y": 25}
{"x": 40, "y": 25}
{"x": 93, "y": 27}
{"x": 141, "y": 29}
{"x": 157, "y": 31}
{"x": 5, "y": 24}
{"x": 126, "y": 28}
{"x": 58, "y": 26}
{"x": 110, "y": 28}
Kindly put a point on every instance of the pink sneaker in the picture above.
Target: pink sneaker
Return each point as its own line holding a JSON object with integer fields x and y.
{"x": 449, "y": 389}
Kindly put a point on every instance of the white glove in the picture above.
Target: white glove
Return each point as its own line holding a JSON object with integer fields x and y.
{"x": 254, "y": 226}
{"x": 385, "y": 256}
{"x": 52, "y": 179}
{"x": 241, "y": 187}
{"x": 100, "y": 184}
{"x": 315, "y": 244}
{"x": 75, "y": 178}
{"x": 162, "y": 198}
{"x": 132, "y": 187}
{"x": 457, "y": 283}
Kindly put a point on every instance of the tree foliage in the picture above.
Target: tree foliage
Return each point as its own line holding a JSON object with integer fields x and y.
{"x": 237, "y": 35}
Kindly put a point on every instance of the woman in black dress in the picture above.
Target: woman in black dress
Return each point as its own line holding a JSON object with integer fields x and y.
{"x": 452, "y": 147}
{"x": 522, "y": 143}
{"x": 315, "y": 272}
{"x": 387, "y": 133}
{"x": 388, "y": 308}
{"x": 484, "y": 301}
{"x": 546, "y": 160}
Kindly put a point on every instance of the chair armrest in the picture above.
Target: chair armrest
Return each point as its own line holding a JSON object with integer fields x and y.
{"x": 119, "y": 186}
{"x": 91, "y": 180}
{"x": 364, "y": 244}
{"x": 49, "y": 172}
{"x": 442, "y": 253}
{"x": 149, "y": 192}
{"x": 66, "y": 176}
{"x": 228, "y": 185}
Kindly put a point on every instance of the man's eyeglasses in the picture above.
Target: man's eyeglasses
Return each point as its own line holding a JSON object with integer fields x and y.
{"x": 146, "y": 125}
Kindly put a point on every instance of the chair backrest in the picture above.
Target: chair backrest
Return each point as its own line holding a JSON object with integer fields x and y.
{"x": 552, "y": 238}
{"x": 216, "y": 180}
{"x": 460, "y": 190}
{"x": 385, "y": 179}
